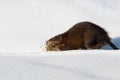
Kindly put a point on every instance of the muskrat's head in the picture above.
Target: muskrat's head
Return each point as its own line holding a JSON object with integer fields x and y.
{"x": 54, "y": 44}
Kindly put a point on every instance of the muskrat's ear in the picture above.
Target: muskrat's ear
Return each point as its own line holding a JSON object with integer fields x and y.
{"x": 58, "y": 40}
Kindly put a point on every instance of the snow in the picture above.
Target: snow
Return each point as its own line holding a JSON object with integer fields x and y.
{"x": 72, "y": 65}
{"x": 25, "y": 25}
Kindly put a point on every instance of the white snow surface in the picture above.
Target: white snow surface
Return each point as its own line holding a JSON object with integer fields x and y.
{"x": 67, "y": 65}
{"x": 25, "y": 26}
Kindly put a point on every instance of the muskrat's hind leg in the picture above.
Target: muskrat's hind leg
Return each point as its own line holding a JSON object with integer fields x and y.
{"x": 90, "y": 42}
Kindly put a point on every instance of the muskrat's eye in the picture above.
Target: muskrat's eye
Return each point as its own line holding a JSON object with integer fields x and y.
{"x": 52, "y": 45}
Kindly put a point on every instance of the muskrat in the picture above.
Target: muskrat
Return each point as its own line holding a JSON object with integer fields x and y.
{"x": 83, "y": 35}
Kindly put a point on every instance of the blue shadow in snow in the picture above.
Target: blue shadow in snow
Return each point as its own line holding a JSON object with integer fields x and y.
{"x": 115, "y": 41}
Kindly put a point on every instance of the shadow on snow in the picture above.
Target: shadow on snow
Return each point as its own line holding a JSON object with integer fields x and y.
{"x": 115, "y": 41}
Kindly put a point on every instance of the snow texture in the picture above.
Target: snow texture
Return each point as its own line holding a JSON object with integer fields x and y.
{"x": 25, "y": 26}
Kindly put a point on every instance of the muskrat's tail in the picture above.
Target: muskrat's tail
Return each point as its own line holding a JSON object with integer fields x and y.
{"x": 112, "y": 45}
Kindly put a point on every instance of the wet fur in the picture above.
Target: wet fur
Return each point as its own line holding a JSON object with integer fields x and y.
{"x": 84, "y": 35}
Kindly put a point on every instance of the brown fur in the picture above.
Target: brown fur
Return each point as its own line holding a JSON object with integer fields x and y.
{"x": 84, "y": 35}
